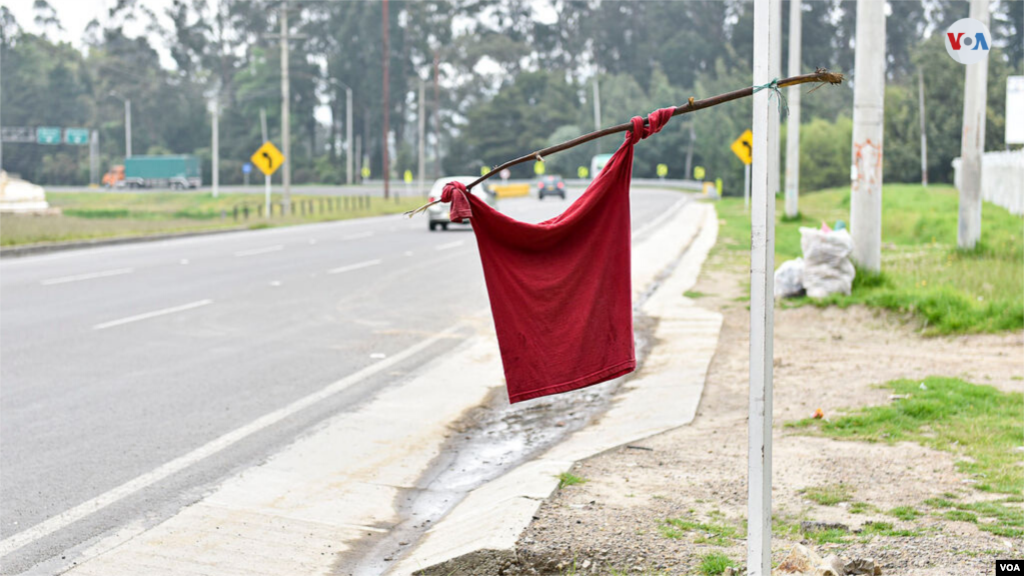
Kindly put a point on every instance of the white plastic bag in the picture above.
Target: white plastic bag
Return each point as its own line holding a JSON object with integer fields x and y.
{"x": 789, "y": 279}
{"x": 827, "y": 266}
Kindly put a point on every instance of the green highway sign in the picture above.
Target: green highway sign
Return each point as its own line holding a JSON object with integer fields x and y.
{"x": 76, "y": 135}
{"x": 48, "y": 135}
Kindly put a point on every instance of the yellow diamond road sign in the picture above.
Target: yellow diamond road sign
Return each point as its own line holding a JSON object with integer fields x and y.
{"x": 742, "y": 147}
{"x": 268, "y": 158}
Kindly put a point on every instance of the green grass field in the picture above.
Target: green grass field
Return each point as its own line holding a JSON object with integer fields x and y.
{"x": 96, "y": 215}
{"x": 923, "y": 273}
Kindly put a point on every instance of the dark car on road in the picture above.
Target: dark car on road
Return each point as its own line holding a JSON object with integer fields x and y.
{"x": 551, "y": 186}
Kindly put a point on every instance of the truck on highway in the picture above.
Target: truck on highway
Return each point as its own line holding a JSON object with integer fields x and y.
{"x": 176, "y": 172}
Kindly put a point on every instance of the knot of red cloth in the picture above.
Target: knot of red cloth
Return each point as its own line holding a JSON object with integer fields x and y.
{"x": 655, "y": 122}
{"x": 455, "y": 193}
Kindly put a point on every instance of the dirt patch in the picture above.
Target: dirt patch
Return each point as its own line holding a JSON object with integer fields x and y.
{"x": 824, "y": 358}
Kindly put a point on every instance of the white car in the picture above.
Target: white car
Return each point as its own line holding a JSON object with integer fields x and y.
{"x": 437, "y": 215}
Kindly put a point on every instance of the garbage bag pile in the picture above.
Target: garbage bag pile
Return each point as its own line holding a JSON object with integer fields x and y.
{"x": 825, "y": 268}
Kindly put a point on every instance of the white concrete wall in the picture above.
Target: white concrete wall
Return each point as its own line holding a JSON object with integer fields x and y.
{"x": 1002, "y": 179}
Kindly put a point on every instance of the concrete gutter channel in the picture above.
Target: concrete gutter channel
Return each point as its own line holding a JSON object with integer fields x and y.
{"x": 443, "y": 483}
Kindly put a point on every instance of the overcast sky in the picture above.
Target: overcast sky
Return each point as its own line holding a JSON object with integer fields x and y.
{"x": 75, "y": 15}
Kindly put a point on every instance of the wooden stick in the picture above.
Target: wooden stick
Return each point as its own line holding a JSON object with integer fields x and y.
{"x": 820, "y": 75}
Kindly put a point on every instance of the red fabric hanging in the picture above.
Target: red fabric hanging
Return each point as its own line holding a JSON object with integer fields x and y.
{"x": 560, "y": 290}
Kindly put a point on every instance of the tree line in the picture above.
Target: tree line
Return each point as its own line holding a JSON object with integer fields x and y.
{"x": 502, "y": 78}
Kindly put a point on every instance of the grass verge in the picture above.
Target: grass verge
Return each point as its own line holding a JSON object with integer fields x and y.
{"x": 97, "y": 215}
{"x": 980, "y": 424}
{"x": 923, "y": 275}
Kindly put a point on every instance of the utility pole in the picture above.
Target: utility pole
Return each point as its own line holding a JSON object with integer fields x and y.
{"x": 348, "y": 136}
{"x": 972, "y": 142}
{"x": 868, "y": 115}
{"x": 1, "y": 106}
{"x": 775, "y": 148}
{"x": 359, "y": 157}
{"x": 597, "y": 112}
{"x": 216, "y": 145}
{"x": 94, "y": 158}
{"x": 437, "y": 115}
{"x": 385, "y": 103}
{"x": 127, "y": 128}
{"x": 793, "y": 122}
{"x": 422, "y": 112}
{"x": 767, "y": 19}
{"x": 689, "y": 150}
{"x": 286, "y": 127}
{"x": 924, "y": 134}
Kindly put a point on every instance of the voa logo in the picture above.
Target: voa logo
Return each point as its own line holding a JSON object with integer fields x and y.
{"x": 967, "y": 41}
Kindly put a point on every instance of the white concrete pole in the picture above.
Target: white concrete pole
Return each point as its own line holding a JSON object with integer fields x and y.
{"x": 868, "y": 113}
{"x": 924, "y": 133}
{"x": 793, "y": 122}
{"x": 762, "y": 300}
{"x": 422, "y": 113}
{"x": 359, "y": 157}
{"x": 972, "y": 142}
{"x": 216, "y": 148}
{"x": 127, "y": 128}
{"x": 775, "y": 150}
{"x": 286, "y": 127}
{"x": 94, "y": 158}
{"x": 349, "y": 162}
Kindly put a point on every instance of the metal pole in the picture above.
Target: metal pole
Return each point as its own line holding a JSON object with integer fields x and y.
{"x": 286, "y": 131}
{"x": 793, "y": 122}
{"x": 1, "y": 106}
{"x": 385, "y": 103}
{"x": 127, "y": 128}
{"x": 924, "y": 134}
{"x": 216, "y": 147}
{"x": 266, "y": 196}
{"x": 972, "y": 142}
{"x": 868, "y": 115}
{"x": 422, "y": 165}
{"x": 597, "y": 111}
{"x": 762, "y": 265}
{"x": 349, "y": 161}
{"x": 689, "y": 151}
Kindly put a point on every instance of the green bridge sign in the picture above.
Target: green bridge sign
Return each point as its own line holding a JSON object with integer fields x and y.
{"x": 76, "y": 135}
{"x": 48, "y": 135}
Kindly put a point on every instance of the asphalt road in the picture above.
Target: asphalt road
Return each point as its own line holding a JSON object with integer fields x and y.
{"x": 119, "y": 361}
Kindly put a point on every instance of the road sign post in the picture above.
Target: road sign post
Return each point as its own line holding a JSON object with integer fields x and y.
{"x": 268, "y": 159}
{"x": 742, "y": 147}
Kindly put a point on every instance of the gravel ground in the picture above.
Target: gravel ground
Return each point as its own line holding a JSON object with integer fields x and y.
{"x": 824, "y": 358}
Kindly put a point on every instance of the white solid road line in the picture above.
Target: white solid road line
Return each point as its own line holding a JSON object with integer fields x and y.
{"x": 76, "y": 278}
{"x": 351, "y": 267}
{"x": 256, "y": 251}
{"x": 358, "y": 236}
{"x": 153, "y": 314}
{"x": 66, "y": 518}
{"x": 450, "y": 245}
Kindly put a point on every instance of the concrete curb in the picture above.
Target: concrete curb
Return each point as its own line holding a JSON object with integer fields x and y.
{"x": 480, "y": 534}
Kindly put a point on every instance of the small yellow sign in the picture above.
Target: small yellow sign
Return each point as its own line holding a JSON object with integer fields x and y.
{"x": 662, "y": 170}
{"x": 267, "y": 158}
{"x": 698, "y": 172}
{"x": 538, "y": 168}
{"x": 408, "y": 176}
{"x": 582, "y": 172}
{"x": 365, "y": 172}
{"x": 743, "y": 147}
{"x": 484, "y": 170}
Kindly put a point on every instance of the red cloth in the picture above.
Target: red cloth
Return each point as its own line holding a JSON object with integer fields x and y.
{"x": 560, "y": 290}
